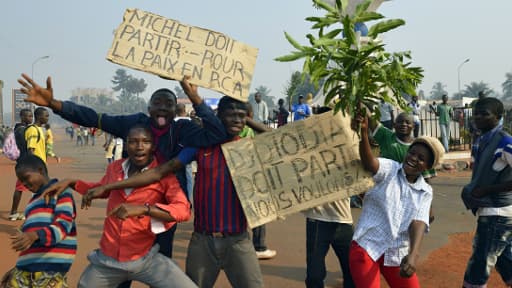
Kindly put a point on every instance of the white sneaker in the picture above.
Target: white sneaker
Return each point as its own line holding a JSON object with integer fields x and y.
{"x": 16, "y": 216}
{"x": 267, "y": 254}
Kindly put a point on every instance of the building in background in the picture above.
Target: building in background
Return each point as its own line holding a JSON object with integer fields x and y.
{"x": 87, "y": 96}
{"x": 18, "y": 104}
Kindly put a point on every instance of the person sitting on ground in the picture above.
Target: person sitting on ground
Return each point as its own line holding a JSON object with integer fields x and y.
{"x": 127, "y": 249}
{"x": 382, "y": 242}
{"x": 47, "y": 240}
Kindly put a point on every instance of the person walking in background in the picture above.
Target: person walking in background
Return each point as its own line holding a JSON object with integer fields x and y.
{"x": 181, "y": 114}
{"x": 387, "y": 116}
{"x": 282, "y": 113}
{"x": 260, "y": 109}
{"x": 301, "y": 110}
{"x": 49, "y": 143}
{"x": 79, "y": 136}
{"x": 445, "y": 114}
{"x": 489, "y": 197}
{"x": 92, "y": 134}
{"x": 26, "y": 117}
{"x": 415, "y": 111}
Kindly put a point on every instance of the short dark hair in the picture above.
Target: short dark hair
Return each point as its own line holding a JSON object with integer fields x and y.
{"x": 39, "y": 112}
{"x": 163, "y": 91}
{"x": 30, "y": 162}
{"x": 226, "y": 103}
{"x": 495, "y": 105}
{"x": 141, "y": 127}
{"x": 25, "y": 110}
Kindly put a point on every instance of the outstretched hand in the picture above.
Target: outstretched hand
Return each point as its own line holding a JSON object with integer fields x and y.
{"x": 91, "y": 194}
{"x": 35, "y": 93}
{"x": 55, "y": 190}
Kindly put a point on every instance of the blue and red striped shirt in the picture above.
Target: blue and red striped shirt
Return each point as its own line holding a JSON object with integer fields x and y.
{"x": 217, "y": 207}
{"x": 54, "y": 223}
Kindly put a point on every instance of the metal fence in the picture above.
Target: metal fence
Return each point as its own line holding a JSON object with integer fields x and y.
{"x": 461, "y": 128}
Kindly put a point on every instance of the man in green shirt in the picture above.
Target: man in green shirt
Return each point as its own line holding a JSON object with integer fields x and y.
{"x": 394, "y": 145}
{"x": 445, "y": 114}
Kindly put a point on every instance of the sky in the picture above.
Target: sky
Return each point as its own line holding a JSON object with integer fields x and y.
{"x": 76, "y": 36}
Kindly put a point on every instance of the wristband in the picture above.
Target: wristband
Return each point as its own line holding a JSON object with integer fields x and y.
{"x": 148, "y": 209}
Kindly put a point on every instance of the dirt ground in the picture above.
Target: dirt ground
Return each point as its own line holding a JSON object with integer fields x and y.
{"x": 445, "y": 249}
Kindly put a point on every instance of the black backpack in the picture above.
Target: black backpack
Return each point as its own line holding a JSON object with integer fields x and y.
{"x": 19, "y": 134}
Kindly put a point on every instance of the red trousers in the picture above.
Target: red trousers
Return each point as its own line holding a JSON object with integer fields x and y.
{"x": 366, "y": 272}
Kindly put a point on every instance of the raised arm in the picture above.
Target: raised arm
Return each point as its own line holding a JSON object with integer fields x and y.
{"x": 39, "y": 95}
{"x": 370, "y": 163}
{"x": 117, "y": 125}
{"x": 212, "y": 132}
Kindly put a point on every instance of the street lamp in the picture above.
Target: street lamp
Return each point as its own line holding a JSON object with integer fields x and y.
{"x": 34, "y": 63}
{"x": 458, "y": 72}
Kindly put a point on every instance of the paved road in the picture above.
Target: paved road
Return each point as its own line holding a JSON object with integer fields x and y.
{"x": 286, "y": 236}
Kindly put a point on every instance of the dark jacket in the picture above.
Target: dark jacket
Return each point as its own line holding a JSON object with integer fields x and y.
{"x": 182, "y": 132}
{"x": 484, "y": 175}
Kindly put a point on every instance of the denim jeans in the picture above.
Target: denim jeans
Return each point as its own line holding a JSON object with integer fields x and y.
{"x": 445, "y": 135}
{"x": 153, "y": 269}
{"x": 321, "y": 235}
{"x": 234, "y": 254}
{"x": 258, "y": 238}
{"x": 492, "y": 246}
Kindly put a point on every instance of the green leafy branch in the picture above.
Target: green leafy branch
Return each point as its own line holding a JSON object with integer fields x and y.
{"x": 356, "y": 72}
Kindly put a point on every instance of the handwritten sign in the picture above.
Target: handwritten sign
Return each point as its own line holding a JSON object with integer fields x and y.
{"x": 168, "y": 48}
{"x": 296, "y": 167}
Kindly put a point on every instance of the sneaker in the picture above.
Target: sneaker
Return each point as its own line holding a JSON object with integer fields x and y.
{"x": 267, "y": 254}
{"x": 16, "y": 216}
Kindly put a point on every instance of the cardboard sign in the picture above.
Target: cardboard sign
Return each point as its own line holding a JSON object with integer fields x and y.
{"x": 168, "y": 48}
{"x": 298, "y": 166}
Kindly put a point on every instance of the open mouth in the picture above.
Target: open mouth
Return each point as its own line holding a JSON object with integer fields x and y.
{"x": 140, "y": 157}
{"x": 410, "y": 164}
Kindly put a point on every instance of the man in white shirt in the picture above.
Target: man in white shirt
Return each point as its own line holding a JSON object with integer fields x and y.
{"x": 260, "y": 109}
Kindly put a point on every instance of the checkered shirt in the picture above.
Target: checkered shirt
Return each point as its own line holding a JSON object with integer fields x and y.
{"x": 388, "y": 210}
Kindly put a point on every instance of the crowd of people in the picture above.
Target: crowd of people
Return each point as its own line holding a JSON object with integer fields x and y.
{"x": 154, "y": 194}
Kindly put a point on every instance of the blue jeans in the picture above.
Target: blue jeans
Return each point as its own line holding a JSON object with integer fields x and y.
{"x": 320, "y": 235}
{"x": 492, "y": 246}
{"x": 445, "y": 135}
{"x": 258, "y": 238}
{"x": 234, "y": 254}
{"x": 153, "y": 269}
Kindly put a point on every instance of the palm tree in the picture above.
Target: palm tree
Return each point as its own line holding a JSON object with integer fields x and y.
{"x": 507, "y": 87}
{"x": 472, "y": 89}
{"x": 438, "y": 90}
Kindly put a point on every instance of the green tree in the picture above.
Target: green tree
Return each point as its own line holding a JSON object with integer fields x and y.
{"x": 472, "y": 89}
{"x": 438, "y": 90}
{"x": 507, "y": 87}
{"x": 355, "y": 71}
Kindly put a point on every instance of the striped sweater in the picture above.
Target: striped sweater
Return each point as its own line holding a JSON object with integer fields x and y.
{"x": 55, "y": 225}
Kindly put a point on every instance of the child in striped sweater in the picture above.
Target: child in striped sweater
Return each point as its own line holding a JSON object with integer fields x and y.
{"x": 47, "y": 240}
